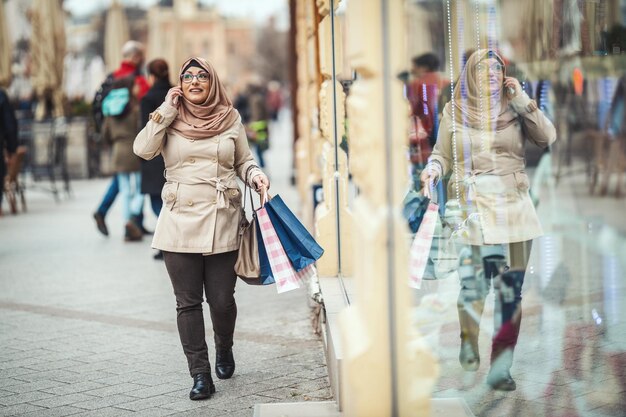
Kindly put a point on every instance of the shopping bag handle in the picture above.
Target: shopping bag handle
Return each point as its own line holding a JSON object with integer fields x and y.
{"x": 265, "y": 196}
{"x": 263, "y": 192}
{"x": 248, "y": 190}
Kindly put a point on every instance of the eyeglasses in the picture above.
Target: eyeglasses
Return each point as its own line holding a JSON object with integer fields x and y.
{"x": 484, "y": 67}
{"x": 203, "y": 77}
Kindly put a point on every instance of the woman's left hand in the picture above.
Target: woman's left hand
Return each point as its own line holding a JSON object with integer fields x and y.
{"x": 261, "y": 181}
{"x": 512, "y": 86}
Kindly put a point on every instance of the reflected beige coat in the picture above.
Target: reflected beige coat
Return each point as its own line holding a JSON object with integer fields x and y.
{"x": 491, "y": 179}
{"x": 201, "y": 198}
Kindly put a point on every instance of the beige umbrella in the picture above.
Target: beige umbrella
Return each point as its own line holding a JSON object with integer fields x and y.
{"x": 115, "y": 35}
{"x": 5, "y": 50}
{"x": 47, "y": 47}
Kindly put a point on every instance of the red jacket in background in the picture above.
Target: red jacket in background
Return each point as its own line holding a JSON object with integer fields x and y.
{"x": 128, "y": 68}
{"x": 423, "y": 94}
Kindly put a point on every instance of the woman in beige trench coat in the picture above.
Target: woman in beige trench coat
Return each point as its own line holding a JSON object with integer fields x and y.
{"x": 481, "y": 144}
{"x": 204, "y": 146}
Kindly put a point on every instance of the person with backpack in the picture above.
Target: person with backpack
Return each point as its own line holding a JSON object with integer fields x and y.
{"x": 121, "y": 124}
{"x": 132, "y": 60}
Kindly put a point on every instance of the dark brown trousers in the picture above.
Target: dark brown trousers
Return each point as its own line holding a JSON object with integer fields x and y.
{"x": 193, "y": 276}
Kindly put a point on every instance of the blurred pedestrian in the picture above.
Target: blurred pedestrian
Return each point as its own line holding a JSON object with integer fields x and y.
{"x": 481, "y": 142}
{"x": 8, "y": 137}
{"x": 423, "y": 93}
{"x": 132, "y": 60}
{"x": 120, "y": 130}
{"x": 274, "y": 99}
{"x": 203, "y": 143}
{"x": 153, "y": 171}
{"x": 257, "y": 123}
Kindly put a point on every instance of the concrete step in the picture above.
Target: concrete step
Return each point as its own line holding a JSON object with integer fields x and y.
{"x": 303, "y": 409}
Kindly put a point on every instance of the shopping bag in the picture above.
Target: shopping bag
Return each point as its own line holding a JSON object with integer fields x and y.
{"x": 420, "y": 248}
{"x": 266, "y": 277}
{"x": 248, "y": 267}
{"x": 451, "y": 231}
{"x": 300, "y": 247}
{"x": 284, "y": 274}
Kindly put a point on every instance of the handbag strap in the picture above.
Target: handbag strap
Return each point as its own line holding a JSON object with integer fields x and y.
{"x": 247, "y": 189}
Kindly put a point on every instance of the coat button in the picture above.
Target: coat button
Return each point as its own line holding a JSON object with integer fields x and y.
{"x": 234, "y": 192}
{"x": 192, "y": 140}
{"x": 169, "y": 197}
{"x": 190, "y": 203}
{"x": 499, "y": 151}
{"x": 192, "y": 161}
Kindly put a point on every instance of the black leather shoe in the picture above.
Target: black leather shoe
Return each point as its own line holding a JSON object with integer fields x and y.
{"x": 501, "y": 381}
{"x": 224, "y": 363}
{"x": 102, "y": 226}
{"x": 203, "y": 387}
{"x": 468, "y": 357}
{"x": 158, "y": 256}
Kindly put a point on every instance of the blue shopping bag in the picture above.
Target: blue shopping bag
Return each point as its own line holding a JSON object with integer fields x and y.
{"x": 302, "y": 250}
{"x": 266, "y": 272}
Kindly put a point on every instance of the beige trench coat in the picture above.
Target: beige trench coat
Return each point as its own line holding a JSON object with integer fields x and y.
{"x": 492, "y": 180}
{"x": 201, "y": 198}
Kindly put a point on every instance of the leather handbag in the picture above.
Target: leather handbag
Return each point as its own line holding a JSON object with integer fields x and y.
{"x": 248, "y": 266}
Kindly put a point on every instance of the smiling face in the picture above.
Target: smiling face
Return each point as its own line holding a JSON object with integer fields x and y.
{"x": 197, "y": 90}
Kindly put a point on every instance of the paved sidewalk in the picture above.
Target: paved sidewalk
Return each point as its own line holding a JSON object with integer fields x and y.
{"x": 87, "y": 323}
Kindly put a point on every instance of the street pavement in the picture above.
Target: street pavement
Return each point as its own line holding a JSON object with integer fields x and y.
{"x": 88, "y": 323}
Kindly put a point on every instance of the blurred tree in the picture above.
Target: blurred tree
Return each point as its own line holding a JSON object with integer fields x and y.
{"x": 138, "y": 25}
{"x": 272, "y": 52}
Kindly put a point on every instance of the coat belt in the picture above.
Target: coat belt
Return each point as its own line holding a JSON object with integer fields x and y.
{"x": 221, "y": 200}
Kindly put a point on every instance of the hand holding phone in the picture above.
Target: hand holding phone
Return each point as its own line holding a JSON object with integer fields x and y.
{"x": 512, "y": 87}
{"x": 510, "y": 92}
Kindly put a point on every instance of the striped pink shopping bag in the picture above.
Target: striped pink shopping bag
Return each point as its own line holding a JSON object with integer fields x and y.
{"x": 420, "y": 249}
{"x": 286, "y": 277}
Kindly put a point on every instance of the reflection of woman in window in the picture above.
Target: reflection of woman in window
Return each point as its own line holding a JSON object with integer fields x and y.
{"x": 481, "y": 143}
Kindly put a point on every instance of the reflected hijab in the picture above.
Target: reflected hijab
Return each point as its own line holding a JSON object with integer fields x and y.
{"x": 208, "y": 119}
{"x": 476, "y": 110}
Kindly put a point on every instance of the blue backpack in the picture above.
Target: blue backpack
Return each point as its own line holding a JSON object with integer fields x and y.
{"x": 116, "y": 102}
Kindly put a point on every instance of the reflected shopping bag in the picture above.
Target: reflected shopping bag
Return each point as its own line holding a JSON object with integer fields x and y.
{"x": 301, "y": 248}
{"x": 420, "y": 248}
{"x": 284, "y": 274}
{"x": 414, "y": 207}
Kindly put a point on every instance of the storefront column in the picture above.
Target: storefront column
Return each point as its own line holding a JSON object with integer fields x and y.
{"x": 387, "y": 369}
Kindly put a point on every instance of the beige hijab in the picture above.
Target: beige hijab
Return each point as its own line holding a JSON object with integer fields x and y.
{"x": 214, "y": 116}
{"x": 486, "y": 112}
